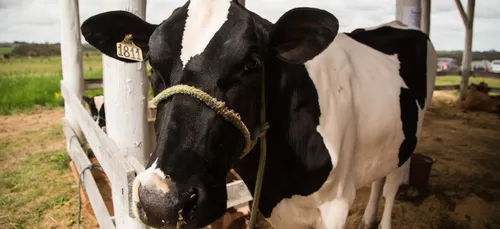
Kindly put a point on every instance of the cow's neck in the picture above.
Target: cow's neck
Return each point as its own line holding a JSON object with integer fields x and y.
{"x": 297, "y": 160}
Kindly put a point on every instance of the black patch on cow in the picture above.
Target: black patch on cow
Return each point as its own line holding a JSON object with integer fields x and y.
{"x": 411, "y": 49}
{"x": 298, "y": 162}
{"x": 409, "y": 118}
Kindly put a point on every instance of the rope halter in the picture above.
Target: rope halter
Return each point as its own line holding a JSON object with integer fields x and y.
{"x": 219, "y": 107}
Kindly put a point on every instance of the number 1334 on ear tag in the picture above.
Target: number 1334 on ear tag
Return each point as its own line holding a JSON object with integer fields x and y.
{"x": 128, "y": 50}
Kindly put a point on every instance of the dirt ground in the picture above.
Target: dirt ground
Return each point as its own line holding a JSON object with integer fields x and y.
{"x": 464, "y": 185}
{"x": 463, "y": 191}
{"x": 37, "y": 189}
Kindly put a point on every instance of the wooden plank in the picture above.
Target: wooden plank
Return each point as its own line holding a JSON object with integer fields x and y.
{"x": 112, "y": 159}
{"x": 71, "y": 54}
{"x": 494, "y": 90}
{"x": 237, "y": 193}
{"x": 446, "y": 87}
{"x": 90, "y": 84}
{"x": 457, "y": 87}
{"x": 81, "y": 161}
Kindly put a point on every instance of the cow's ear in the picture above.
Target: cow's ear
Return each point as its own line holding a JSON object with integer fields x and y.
{"x": 104, "y": 30}
{"x": 302, "y": 33}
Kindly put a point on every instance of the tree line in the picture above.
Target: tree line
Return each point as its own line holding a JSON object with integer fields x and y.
{"x": 23, "y": 49}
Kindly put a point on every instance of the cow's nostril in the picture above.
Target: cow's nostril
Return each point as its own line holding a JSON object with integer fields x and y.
{"x": 189, "y": 208}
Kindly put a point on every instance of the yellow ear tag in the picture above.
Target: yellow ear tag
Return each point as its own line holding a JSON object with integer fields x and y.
{"x": 128, "y": 50}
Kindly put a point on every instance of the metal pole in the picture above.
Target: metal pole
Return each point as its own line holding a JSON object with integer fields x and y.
{"x": 125, "y": 99}
{"x": 71, "y": 56}
{"x": 409, "y": 13}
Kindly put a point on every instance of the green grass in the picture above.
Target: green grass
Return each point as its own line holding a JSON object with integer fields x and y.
{"x": 450, "y": 80}
{"x": 26, "y": 83}
{"x": 21, "y": 93}
{"x": 446, "y": 80}
{"x": 35, "y": 182}
{"x": 25, "y": 189}
{"x": 5, "y": 50}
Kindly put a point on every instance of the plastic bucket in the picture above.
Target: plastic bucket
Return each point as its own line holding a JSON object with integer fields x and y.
{"x": 420, "y": 170}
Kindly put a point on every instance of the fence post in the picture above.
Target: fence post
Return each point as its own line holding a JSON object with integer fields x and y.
{"x": 426, "y": 16}
{"x": 71, "y": 56}
{"x": 125, "y": 99}
{"x": 409, "y": 13}
{"x": 468, "y": 19}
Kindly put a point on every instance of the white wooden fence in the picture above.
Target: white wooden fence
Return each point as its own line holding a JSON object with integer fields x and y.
{"x": 125, "y": 149}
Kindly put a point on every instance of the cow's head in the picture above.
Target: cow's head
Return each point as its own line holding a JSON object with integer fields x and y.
{"x": 219, "y": 47}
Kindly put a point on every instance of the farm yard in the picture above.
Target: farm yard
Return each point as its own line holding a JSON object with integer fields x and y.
{"x": 38, "y": 190}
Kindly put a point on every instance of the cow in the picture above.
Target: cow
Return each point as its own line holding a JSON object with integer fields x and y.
{"x": 345, "y": 110}
{"x": 96, "y": 107}
{"x": 478, "y": 99}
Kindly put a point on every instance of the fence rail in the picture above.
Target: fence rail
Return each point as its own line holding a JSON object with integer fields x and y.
{"x": 451, "y": 87}
{"x": 81, "y": 161}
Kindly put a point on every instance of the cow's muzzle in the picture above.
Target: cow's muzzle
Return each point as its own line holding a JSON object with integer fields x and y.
{"x": 160, "y": 203}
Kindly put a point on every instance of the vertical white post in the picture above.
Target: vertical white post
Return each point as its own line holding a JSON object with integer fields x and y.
{"x": 409, "y": 13}
{"x": 468, "y": 19}
{"x": 125, "y": 99}
{"x": 426, "y": 16}
{"x": 71, "y": 56}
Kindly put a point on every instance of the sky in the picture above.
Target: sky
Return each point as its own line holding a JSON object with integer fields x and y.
{"x": 38, "y": 20}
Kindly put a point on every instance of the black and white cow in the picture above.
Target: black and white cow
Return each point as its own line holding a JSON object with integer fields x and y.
{"x": 345, "y": 110}
{"x": 96, "y": 107}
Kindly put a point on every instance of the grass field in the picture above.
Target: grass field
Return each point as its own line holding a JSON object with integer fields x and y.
{"x": 28, "y": 83}
{"x": 5, "y": 50}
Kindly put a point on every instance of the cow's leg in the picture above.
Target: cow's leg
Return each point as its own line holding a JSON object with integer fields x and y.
{"x": 391, "y": 186}
{"x": 370, "y": 215}
{"x": 334, "y": 212}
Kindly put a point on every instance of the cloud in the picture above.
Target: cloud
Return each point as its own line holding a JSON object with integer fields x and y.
{"x": 38, "y": 20}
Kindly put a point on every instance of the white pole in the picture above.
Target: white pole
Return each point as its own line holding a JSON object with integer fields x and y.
{"x": 468, "y": 19}
{"x": 409, "y": 13}
{"x": 125, "y": 99}
{"x": 71, "y": 56}
{"x": 426, "y": 16}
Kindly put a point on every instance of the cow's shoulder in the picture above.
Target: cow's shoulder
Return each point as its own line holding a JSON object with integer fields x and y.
{"x": 408, "y": 44}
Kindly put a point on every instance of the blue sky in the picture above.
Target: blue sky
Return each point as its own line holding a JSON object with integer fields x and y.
{"x": 38, "y": 20}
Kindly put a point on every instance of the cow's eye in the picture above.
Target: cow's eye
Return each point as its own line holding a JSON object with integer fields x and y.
{"x": 252, "y": 63}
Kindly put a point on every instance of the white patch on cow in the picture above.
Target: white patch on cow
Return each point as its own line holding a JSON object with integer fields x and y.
{"x": 394, "y": 24}
{"x": 98, "y": 101}
{"x": 360, "y": 125}
{"x": 152, "y": 178}
{"x": 145, "y": 176}
{"x": 205, "y": 18}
